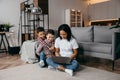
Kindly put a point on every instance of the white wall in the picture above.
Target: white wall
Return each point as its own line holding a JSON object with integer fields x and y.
{"x": 10, "y": 11}
{"x": 106, "y": 10}
{"x": 57, "y": 9}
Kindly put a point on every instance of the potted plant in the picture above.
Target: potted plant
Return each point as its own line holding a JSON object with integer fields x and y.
{"x": 117, "y": 24}
{"x": 1, "y": 27}
{"x": 7, "y": 26}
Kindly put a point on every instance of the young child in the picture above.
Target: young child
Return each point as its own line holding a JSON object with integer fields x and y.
{"x": 46, "y": 47}
{"x": 40, "y": 38}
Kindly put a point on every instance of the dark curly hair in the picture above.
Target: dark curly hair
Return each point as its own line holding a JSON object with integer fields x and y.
{"x": 40, "y": 29}
{"x": 50, "y": 31}
{"x": 65, "y": 28}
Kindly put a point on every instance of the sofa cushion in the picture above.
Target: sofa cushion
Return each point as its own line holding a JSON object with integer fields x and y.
{"x": 96, "y": 47}
{"x": 83, "y": 34}
{"x": 103, "y": 34}
{"x": 56, "y": 33}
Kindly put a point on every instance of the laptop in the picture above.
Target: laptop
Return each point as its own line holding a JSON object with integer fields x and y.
{"x": 61, "y": 60}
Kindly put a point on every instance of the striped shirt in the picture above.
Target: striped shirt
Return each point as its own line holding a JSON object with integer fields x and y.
{"x": 44, "y": 45}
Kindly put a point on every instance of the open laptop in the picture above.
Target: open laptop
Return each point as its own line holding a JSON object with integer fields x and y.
{"x": 61, "y": 60}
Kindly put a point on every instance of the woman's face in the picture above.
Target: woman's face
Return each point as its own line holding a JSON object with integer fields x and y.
{"x": 63, "y": 34}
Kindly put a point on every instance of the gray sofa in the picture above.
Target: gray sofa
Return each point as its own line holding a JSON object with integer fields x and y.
{"x": 98, "y": 41}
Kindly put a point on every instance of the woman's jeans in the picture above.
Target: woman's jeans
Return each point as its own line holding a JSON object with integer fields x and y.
{"x": 73, "y": 65}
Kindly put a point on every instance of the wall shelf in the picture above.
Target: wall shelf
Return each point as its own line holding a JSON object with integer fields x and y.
{"x": 73, "y": 17}
{"x": 105, "y": 22}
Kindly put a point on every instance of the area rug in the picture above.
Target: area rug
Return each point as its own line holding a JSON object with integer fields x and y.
{"x": 34, "y": 72}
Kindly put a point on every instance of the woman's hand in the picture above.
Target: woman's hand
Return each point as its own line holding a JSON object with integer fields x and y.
{"x": 75, "y": 52}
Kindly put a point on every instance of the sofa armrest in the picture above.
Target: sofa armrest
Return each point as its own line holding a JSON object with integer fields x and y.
{"x": 116, "y": 45}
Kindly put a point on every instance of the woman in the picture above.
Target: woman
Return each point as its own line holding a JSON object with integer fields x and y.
{"x": 66, "y": 46}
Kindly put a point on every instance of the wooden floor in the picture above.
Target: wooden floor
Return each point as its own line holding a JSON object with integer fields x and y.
{"x": 8, "y": 61}
{"x": 102, "y": 64}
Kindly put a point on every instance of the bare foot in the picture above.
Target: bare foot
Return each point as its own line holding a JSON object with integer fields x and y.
{"x": 61, "y": 68}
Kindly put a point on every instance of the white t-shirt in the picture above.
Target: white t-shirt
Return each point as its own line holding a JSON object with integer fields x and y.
{"x": 66, "y": 47}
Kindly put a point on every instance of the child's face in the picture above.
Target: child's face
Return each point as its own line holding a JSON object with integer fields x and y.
{"x": 50, "y": 37}
{"x": 41, "y": 35}
{"x": 63, "y": 34}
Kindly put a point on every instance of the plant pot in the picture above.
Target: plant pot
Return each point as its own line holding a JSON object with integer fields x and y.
{"x": 1, "y": 27}
{"x": 13, "y": 50}
{"x": 6, "y": 29}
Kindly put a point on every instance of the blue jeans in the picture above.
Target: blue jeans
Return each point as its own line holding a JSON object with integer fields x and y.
{"x": 73, "y": 65}
{"x": 42, "y": 56}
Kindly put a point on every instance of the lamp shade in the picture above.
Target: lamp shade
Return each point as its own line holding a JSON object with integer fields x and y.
{"x": 36, "y": 10}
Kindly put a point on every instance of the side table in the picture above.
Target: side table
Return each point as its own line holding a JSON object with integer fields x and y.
{"x": 3, "y": 39}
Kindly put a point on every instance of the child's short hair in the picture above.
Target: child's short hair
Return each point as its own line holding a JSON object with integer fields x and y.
{"x": 50, "y": 31}
{"x": 40, "y": 29}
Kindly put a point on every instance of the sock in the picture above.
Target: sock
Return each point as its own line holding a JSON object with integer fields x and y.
{"x": 41, "y": 63}
{"x": 50, "y": 67}
{"x": 69, "y": 71}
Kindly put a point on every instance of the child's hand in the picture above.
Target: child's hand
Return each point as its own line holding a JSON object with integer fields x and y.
{"x": 52, "y": 48}
{"x": 37, "y": 53}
